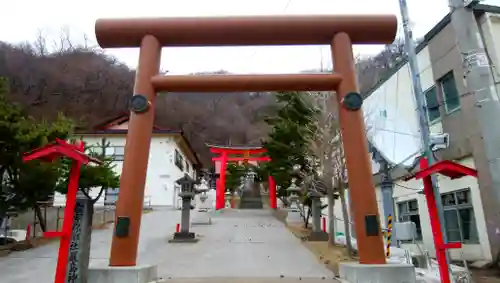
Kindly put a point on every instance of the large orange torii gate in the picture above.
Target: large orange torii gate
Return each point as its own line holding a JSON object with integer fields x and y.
{"x": 224, "y": 157}
{"x": 150, "y": 35}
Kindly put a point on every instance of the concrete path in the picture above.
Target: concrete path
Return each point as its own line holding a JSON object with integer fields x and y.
{"x": 249, "y": 244}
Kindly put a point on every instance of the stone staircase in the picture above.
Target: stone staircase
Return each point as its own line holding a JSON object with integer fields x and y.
{"x": 251, "y": 198}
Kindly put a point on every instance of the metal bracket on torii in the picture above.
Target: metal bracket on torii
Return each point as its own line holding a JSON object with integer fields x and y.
{"x": 451, "y": 170}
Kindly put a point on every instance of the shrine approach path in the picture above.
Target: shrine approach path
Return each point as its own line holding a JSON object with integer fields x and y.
{"x": 240, "y": 246}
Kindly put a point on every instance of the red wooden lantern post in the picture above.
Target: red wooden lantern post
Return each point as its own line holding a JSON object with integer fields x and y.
{"x": 75, "y": 152}
{"x": 224, "y": 158}
{"x": 452, "y": 170}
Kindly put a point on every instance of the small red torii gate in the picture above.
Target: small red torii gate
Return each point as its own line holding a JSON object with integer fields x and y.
{"x": 76, "y": 153}
{"x": 452, "y": 170}
{"x": 244, "y": 154}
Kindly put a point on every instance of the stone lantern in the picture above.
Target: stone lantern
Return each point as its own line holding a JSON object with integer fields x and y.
{"x": 187, "y": 193}
{"x": 202, "y": 215}
{"x": 293, "y": 215}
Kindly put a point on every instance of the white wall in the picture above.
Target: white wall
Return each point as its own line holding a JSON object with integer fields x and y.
{"x": 390, "y": 112}
{"x": 162, "y": 172}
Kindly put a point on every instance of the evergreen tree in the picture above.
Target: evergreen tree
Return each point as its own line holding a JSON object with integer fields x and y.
{"x": 287, "y": 145}
{"x": 234, "y": 174}
{"x": 91, "y": 176}
{"x": 23, "y": 185}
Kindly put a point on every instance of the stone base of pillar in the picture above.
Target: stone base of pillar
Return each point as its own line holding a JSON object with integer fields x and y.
{"x": 184, "y": 237}
{"x": 126, "y": 274}
{"x": 377, "y": 273}
{"x": 318, "y": 237}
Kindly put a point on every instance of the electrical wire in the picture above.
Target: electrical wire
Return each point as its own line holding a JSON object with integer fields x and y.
{"x": 397, "y": 96}
{"x": 408, "y": 188}
{"x": 254, "y": 52}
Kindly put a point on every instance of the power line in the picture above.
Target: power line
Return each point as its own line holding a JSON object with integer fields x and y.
{"x": 252, "y": 55}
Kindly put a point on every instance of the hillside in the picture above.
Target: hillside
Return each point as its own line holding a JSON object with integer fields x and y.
{"x": 90, "y": 87}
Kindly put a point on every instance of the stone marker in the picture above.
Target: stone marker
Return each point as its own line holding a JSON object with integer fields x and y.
{"x": 317, "y": 234}
{"x": 79, "y": 249}
{"x": 187, "y": 193}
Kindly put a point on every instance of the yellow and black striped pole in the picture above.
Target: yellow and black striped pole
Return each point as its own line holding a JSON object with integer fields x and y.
{"x": 389, "y": 234}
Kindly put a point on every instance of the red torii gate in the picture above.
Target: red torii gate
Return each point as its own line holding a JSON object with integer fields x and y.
{"x": 244, "y": 154}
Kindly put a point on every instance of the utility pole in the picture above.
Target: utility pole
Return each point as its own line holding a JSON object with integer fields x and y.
{"x": 479, "y": 83}
{"x": 386, "y": 186}
{"x": 421, "y": 107}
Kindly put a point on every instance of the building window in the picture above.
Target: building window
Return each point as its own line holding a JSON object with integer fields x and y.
{"x": 459, "y": 217}
{"x": 432, "y": 104}
{"x": 408, "y": 211}
{"x": 179, "y": 160}
{"x": 450, "y": 92}
{"x": 115, "y": 152}
{"x": 187, "y": 166}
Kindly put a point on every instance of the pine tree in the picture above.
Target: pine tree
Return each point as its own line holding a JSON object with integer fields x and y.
{"x": 288, "y": 142}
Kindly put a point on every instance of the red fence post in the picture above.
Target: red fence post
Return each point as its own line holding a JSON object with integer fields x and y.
{"x": 221, "y": 188}
{"x": 272, "y": 193}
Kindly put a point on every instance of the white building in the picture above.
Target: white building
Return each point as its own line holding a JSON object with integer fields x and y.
{"x": 170, "y": 157}
{"x": 390, "y": 111}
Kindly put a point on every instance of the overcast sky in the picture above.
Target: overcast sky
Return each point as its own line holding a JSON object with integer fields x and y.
{"x": 25, "y": 18}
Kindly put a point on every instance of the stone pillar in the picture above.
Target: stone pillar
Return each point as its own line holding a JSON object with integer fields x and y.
{"x": 317, "y": 233}
{"x": 185, "y": 213}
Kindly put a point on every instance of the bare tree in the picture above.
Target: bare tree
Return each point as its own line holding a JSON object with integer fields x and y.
{"x": 340, "y": 183}
{"x": 324, "y": 146}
